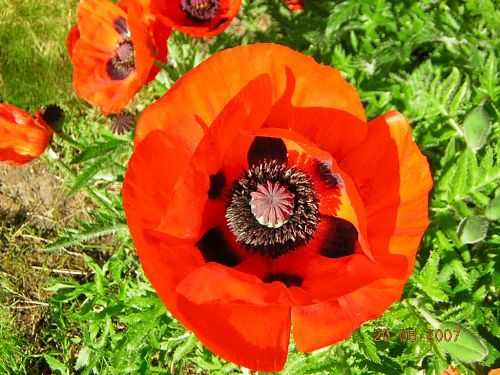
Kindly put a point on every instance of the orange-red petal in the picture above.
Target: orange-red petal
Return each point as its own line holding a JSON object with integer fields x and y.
{"x": 171, "y": 14}
{"x": 336, "y": 130}
{"x": 144, "y": 201}
{"x": 72, "y": 38}
{"x": 201, "y": 94}
{"x": 252, "y": 336}
{"x": 241, "y": 309}
{"x": 295, "y": 5}
{"x": 156, "y": 159}
{"x": 451, "y": 371}
{"x": 215, "y": 283}
{"x": 326, "y": 323}
{"x": 22, "y": 137}
{"x": 394, "y": 186}
{"x": 343, "y": 202}
{"x": 244, "y": 113}
{"x": 149, "y": 38}
{"x": 96, "y": 43}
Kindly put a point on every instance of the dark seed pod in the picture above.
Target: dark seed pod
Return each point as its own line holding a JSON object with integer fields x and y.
{"x": 53, "y": 115}
{"x": 122, "y": 123}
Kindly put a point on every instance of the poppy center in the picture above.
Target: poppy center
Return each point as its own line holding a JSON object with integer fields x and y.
{"x": 273, "y": 208}
{"x": 122, "y": 64}
{"x": 200, "y": 10}
{"x": 272, "y": 204}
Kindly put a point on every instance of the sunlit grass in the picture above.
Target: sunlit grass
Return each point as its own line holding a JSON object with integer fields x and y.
{"x": 433, "y": 61}
{"x": 13, "y": 348}
{"x": 34, "y": 67}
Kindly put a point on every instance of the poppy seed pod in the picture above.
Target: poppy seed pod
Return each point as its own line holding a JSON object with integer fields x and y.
{"x": 262, "y": 203}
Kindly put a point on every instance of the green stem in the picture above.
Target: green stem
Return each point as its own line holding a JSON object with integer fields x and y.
{"x": 426, "y": 318}
{"x": 94, "y": 194}
{"x": 454, "y": 124}
{"x": 68, "y": 139}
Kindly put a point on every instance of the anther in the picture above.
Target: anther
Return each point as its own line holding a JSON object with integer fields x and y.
{"x": 200, "y": 10}
{"x": 324, "y": 170}
{"x": 122, "y": 64}
{"x": 121, "y": 27}
{"x": 273, "y": 209}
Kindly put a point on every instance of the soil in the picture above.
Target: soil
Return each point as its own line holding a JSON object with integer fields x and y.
{"x": 34, "y": 210}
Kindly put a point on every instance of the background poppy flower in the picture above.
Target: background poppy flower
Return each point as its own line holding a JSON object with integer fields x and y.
{"x": 451, "y": 371}
{"x": 295, "y": 5}
{"x": 198, "y": 18}
{"x": 22, "y": 137}
{"x": 258, "y": 195}
{"x": 113, "y": 49}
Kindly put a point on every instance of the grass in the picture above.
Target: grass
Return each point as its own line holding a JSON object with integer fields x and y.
{"x": 32, "y": 34}
{"x": 12, "y": 352}
{"x": 437, "y": 62}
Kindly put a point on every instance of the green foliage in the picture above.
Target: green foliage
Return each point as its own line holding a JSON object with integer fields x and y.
{"x": 13, "y": 353}
{"x": 428, "y": 279}
{"x": 492, "y": 212}
{"x": 464, "y": 345}
{"x": 473, "y": 229}
{"x": 476, "y": 128}
{"x": 436, "y": 62}
{"x": 120, "y": 325}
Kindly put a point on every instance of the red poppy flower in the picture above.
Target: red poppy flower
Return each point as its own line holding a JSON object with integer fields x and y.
{"x": 258, "y": 195}
{"x": 113, "y": 49}
{"x": 451, "y": 371}
{"x": 198, "y": 18}
{"x": 22, "y": 137}
{"x": 295, "y": 5}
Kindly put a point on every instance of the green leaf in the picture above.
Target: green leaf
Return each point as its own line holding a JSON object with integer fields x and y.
{"x": 449, "y": 86}
{"x": 487, "y": 162}
{"x": 464, "y": 346}
{"x": 99, "y": 274}
{"x": 492, "y": 212}
{"x": 458, "y": 183}
{"x": 368, "y": 346}
{"x": 97, "y": 150}
{"x": 461, "y": 177}
{"x": 56, "y": 365}
{"x": 460, "y": 273}
{"x": 88, "y": 234}
{"x": 449, "y": 153}
{"x": 489, "y": 77}
{"x": 472, "y": 229}
{"x": 472, "y": 168}
{"x": 55, "y": 288}
{"x": 476, "y": 128}
{"x": 84, "y": 177}
{"x": 428, "y": 279}
{"x": 461, "y": 95}
{"x": 83, "y": 358}
{"x": 185, "y": 348}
